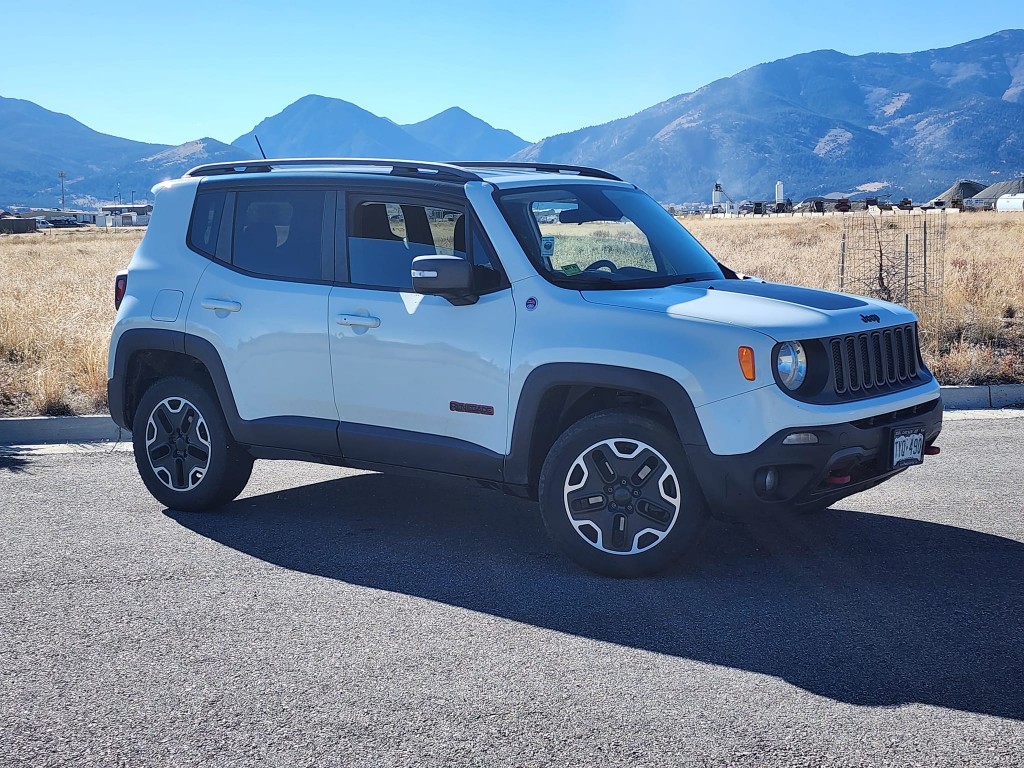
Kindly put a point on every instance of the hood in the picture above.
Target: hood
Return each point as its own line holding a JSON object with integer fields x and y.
{"x": 784, "y": 312}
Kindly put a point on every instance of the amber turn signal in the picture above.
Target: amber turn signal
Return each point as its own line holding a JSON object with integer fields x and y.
{"x": 746, "y": 355}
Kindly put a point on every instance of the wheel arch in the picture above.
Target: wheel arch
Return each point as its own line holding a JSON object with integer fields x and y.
{"x": 144, "y": 355}
{"x": 557, "y": 395}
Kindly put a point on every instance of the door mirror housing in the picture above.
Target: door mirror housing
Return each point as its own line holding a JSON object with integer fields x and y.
{"x": 448, "y": 276}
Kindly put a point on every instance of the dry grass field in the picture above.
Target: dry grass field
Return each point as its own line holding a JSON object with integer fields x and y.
{"x": 56, "y": 299}
{"x": 56, "y": 309}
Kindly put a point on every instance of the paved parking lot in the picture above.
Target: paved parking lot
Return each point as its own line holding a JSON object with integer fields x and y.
{"x": 336, "y": 618}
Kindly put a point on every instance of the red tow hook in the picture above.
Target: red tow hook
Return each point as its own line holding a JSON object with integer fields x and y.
{"x": 932, "y": 450}
{"x": 837, "y": 479}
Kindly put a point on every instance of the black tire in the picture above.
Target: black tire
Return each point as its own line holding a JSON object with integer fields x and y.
{"x": 184, "y": 449}
{"x": 635, "y": 515}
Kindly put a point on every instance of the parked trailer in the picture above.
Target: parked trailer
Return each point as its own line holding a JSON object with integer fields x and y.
{"x": 16, "y": 226}
{"x": 1013, "y": 202}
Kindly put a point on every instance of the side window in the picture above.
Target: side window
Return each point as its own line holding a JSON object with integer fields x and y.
{"x": 278, "y": 233}
{"x": 205, "y": 225}
{"x": 385, "y": 237}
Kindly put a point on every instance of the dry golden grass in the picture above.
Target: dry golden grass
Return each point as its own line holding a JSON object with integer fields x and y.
{"x": 981, "y": 338}
{"x": 56, "y": 299}
{"x": 56, "y": 310}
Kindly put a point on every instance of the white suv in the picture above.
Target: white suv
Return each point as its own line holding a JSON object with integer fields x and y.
{"x": 549, "y": 331}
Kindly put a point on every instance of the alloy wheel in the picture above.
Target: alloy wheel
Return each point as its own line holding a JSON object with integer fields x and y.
{"x": 622, "y": 496}
{"x": 178, "y": 444}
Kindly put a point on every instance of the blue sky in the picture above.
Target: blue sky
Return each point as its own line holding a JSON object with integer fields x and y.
{"x": 169, "y": 72}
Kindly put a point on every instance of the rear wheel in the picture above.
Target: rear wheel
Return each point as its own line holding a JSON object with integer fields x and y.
{"x": 618, "y": 495}
{"x": 184, "y": 449}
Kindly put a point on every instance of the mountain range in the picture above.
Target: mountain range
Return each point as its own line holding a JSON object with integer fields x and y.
{"x": 822, "y": 122}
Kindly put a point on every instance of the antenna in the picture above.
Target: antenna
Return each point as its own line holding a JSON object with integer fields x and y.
{"x": 260, "y": 146}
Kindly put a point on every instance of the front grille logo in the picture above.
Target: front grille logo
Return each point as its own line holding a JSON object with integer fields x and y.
{"x": 871, "y": 318}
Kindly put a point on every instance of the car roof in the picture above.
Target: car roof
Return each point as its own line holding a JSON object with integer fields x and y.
{"x": 499, "y": 173}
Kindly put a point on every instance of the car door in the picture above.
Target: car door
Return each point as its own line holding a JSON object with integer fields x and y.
{"x": 263, "y": 307}
{"x": 418, "y": 382}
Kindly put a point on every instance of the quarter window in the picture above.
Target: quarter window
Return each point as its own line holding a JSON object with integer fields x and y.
{"x": 205, "y": 225}
{"x": 279, "y": 233}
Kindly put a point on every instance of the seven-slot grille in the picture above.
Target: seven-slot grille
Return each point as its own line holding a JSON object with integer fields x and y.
{"x": 875, "y": 361}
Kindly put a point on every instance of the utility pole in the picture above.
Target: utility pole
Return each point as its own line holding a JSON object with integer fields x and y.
{"x": 62, "y": 175}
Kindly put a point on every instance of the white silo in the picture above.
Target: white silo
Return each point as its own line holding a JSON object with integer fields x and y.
{"x": 780, "y": 197}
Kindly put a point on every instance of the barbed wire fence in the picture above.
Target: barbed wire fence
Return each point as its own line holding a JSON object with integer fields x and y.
{"x": 897, "y": 256}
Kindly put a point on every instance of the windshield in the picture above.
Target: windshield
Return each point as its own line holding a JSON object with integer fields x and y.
{"x": 587, "y": 236}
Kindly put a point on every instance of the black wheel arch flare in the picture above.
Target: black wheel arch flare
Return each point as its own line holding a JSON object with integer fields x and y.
{"x": 520, "y": 466}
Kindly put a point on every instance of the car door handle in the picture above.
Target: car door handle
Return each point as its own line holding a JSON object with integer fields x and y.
{"x": 359, "y": 321}
{"x": 221, "y": 305}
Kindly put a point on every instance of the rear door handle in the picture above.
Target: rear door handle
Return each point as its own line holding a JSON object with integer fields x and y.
{"x": 359, "y": 321}
{"x": 221, "y": 305}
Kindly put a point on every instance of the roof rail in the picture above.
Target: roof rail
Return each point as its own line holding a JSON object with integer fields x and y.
{"x": 446, "y": 171}
{"x": 579, "y": 170}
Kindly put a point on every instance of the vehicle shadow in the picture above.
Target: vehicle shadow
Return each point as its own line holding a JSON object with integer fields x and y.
{"x": 12, "y": 462}
{"x": 862, "y": 608}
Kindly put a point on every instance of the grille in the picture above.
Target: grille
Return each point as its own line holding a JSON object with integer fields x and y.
{"x": 877, "y": 361}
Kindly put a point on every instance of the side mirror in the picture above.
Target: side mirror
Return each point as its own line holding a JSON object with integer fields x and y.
{"x": 448, "y": 276}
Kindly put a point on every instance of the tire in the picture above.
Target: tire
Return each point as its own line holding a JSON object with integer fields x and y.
{"x": 184, "y": 449}
{"x": 618, "y": 496}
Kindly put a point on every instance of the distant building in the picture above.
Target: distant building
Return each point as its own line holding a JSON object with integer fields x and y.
{"x": 60, "y": 216}
{"x": 142, "y": 209}
{"x": 956, "y": 194}
{"x": 987, "y": 197}
{"x": 130, "y": 215}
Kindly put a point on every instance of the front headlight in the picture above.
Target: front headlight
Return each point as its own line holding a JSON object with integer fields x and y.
{"x": 791, "y": 365}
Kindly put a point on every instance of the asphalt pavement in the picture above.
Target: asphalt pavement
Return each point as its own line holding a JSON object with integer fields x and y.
{"x": 331, "y": 617}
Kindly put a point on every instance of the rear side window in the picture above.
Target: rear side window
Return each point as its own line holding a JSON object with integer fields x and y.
{"x": 205, "y": 226}
{"x": 279, "y": 233}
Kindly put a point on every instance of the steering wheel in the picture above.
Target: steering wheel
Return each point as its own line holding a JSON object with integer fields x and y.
{"x": 602, "y": 263}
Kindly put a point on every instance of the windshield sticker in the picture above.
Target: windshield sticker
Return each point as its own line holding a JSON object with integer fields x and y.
{"x": 571, "y": 269}
{"x": 547, "y": 250}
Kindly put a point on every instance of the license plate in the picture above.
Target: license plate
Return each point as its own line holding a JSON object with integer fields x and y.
{"x": 907, "y": 447}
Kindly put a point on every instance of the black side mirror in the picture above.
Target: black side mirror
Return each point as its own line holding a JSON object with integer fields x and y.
{"x": 447, "y": 276}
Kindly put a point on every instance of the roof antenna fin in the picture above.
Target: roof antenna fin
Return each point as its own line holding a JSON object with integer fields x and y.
{"x": 260, "y": 146}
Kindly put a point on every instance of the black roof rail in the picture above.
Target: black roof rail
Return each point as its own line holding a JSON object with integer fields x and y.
{"x": 445, "y": 171}
{"x": 579, "y": 170}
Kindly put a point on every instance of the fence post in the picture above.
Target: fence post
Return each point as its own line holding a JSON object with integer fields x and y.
{"x": 842, "y": 259}
{"x": 924, "y": 252}
{"x": 906, "y": 269}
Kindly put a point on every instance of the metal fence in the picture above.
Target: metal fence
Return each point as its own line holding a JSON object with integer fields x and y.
{"x": 897, "y": 256}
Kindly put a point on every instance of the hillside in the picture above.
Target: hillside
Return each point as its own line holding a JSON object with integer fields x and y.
{"x": 317, "y": 126}
{"x": 466, "y": 137}
{"x": 824, "y": 122}
{"x": 36, "y": 144}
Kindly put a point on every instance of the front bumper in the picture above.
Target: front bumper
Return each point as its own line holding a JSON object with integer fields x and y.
{"x": 807, "y": 474}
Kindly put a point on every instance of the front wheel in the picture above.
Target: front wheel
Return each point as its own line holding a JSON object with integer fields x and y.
{"x": 184, "y": 449}
{"x": 618, "y": 496}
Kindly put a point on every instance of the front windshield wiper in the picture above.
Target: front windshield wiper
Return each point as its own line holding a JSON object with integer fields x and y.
{"x": 663, "y": 281}
{"x": 594, "y": 283}
{"x": 584, "y": 283}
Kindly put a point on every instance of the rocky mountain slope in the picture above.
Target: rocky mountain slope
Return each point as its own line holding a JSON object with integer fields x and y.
{"x": 824, "y": 122}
